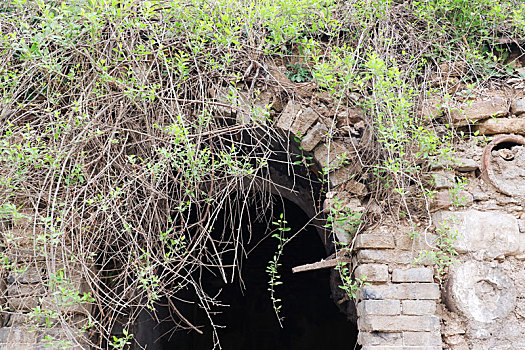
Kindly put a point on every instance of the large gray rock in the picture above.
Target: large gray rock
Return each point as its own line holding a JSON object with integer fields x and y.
{"x": 497, "y": 233}
{"x": 481, "y": 291}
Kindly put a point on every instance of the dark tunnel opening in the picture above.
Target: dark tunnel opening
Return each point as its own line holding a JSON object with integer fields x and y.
{"x": 248, "y": 321}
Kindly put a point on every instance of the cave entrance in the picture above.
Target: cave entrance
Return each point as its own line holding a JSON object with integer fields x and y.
{"x": 311, "y": 319}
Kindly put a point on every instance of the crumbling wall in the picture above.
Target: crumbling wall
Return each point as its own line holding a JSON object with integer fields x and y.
{"x": 474, "y": 300}
{"x": 34, "y": 314}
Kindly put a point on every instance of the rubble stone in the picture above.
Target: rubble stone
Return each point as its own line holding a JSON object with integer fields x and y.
{"x": 313, "y": 137}
{"x": 296, "y": 119}
{"x": 480, "y": 109}
{"x": 332, "y": 155}
{"x": 446, "y": 199}
{"x": 518, "y": 106}
{"x": 501, "y": 126}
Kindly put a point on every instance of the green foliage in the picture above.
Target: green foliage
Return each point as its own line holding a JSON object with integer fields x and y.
{"x": 114, "y": 125}
{"x": 444, "y": 252}
{"x": 350, "y": 286}
{"x": 298, "y": 73}
{"x": 121, "y": 342}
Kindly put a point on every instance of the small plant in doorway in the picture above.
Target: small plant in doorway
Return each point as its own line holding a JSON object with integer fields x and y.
{"x": 273, "y": 265}
{"x": 350, "y": 286}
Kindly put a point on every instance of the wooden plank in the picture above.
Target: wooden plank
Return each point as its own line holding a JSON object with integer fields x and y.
{"x": 323, "y": 264}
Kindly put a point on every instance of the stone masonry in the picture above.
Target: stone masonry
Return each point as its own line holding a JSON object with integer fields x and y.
{"x": 34, "y": 316}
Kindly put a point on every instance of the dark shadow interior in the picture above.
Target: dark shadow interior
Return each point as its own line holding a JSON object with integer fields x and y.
{"x": 311, "y": 319}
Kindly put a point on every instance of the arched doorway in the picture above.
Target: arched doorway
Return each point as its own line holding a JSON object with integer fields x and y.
{"x": 247, "y": 319}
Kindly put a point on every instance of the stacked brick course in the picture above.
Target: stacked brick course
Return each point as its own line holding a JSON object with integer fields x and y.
{"x": 397, "y": 310}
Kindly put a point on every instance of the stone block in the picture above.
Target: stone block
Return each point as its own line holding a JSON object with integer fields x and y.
{"x": 468, "y": 113}
{"x": 19, "y": 335}
{"x": 22, "y": 290}
{"x": 417, "y": 274}
{"x": 501, "y": 126}
{"x": 518, "y": 106}
{"x": 23, "y": 304}
{"x": 431, "y": 108}
{"x": 347, "y": 116}
{"x": 55, "y": 303}
{"x": 389, "y": 256}
{"x": 418, "y": 307}
{"x": 332, "y": 154}
{"x": 18, "y": 347}
{"x": 419, "y": 242}
{"x": 465, "y": 165}
{"x": 375, "y": 241}
{"x": 296, "y": 119}
{"x": 421, "y": 338}
{"x": 497, "y": 233}
{"x": 314, "y": 136}
{"x": 380, "y": 338}
{"x": 402, "y": 291}
{"x": 377, "y": 323}
{"x": 30, "y": 275}
{"x": 378, "y": 307}
{"x": 446, "y": 199}
{"x": 344, "y": 175}
{"x": 372, "y": 272}
{"x": 441, "y": 180}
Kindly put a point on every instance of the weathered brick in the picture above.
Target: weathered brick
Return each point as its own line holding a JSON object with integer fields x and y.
{"x": 367, "y": 240}
{"x": 373, "y": 272}
{"x": 402, "y": 291}
{"x": 30, "y": 275}
{"x": 419, "y": 307}
{"x": 389, "y": 256}
{"x": 373, "y": 323}
{"x": 51, "y": 303}
{"x": 380, "y": 338}
{"x": 22, "y": 290}
{"x": 22, "y": 304}
{"x": 16, "y": 335}
{"x": 420, "y": 242}
{"x": 379, "y": 307}
{"x": 417, "y": 274}
{"x": 421, "y": 338}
